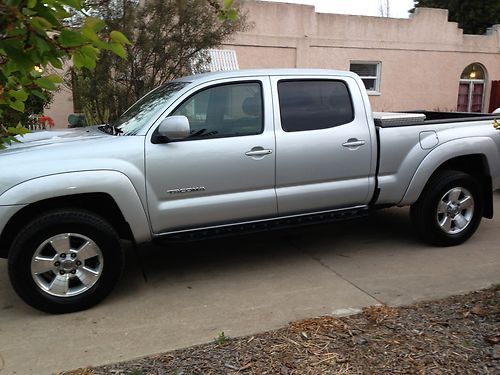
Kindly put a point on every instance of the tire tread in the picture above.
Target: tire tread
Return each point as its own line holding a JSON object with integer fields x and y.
{"x": 422, "y": 211}
{"x": 19, "y": 252}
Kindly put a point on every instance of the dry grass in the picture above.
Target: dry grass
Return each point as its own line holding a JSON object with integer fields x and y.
{"x": 456, "y": 335}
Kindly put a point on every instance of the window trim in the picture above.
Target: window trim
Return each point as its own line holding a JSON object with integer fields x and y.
{"x": 208, "y": 87}
{"x": 377, "y": 78}
{"x": 339, "y": 79}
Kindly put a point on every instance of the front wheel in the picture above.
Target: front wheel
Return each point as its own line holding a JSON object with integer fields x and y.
{"x": 449, "y": 209}
{"x": 65, "y": 261}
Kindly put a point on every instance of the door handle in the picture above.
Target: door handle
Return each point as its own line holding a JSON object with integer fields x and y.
{"x": 353, "y": 142}
{"x": 258, "y": 151}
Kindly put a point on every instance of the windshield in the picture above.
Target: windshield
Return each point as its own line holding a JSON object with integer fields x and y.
{"x": 145, "y": 108}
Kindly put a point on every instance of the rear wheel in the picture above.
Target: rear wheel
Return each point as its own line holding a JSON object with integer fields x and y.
{"x": 65, "y": 261}
{"x": 449, "y": 209}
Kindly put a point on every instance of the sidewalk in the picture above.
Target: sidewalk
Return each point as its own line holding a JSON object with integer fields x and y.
{"x": 245, "y": 285}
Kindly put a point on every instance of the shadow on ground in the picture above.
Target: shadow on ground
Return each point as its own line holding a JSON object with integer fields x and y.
{"x": 170, "y": 261}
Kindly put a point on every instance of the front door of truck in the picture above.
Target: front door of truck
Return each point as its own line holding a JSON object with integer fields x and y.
{"x": 324, "y": 148}
{"x": 225, "y": 171}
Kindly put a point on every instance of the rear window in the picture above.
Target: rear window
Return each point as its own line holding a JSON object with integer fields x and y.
{"x": 314, "y": 104}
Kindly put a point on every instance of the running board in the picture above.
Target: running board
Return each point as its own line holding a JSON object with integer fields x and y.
{"x": 263, "y": 225}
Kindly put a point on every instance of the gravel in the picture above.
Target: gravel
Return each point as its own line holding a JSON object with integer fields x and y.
{"x": 455, "y": 335}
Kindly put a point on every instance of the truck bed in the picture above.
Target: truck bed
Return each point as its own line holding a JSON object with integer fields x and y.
{"x": 419, "y": 117}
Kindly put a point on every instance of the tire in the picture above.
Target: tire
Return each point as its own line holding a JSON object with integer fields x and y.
{"x": 449, "y": 209}
{"x": 65, "y": 261}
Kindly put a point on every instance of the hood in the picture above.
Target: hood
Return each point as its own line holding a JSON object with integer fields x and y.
{"x": 53, "y": 138}
{"x": 60, "y": 151}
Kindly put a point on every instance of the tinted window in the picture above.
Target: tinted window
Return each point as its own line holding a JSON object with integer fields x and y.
{"x": 311, "y": 105}
{"x": 224, "y": 111}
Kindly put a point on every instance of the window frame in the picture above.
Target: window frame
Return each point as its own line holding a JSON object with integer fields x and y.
{"x": 205, "y": 88}
{"x": 377, "y": 77}
{"x": 320, "y": 79}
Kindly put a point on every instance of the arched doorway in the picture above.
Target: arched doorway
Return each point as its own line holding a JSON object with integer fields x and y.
{"x": 471, "y": 89}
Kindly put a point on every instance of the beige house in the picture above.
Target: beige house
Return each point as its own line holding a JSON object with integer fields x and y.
{"x": 424, "y": 62}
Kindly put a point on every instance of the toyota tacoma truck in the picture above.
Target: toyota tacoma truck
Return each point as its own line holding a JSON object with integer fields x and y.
{"x": 225, "y": 153}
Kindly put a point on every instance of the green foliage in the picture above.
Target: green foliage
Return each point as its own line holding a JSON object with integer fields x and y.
{"x": 9, "y": 134}
{"x": 91, "y": 118}
{"x": 166, "y": 35}
{"x": 34, "y": 106}
{"x": 473, "y": 16}
{"x": 34, "y": 39}
{"x": 221, "y": 339}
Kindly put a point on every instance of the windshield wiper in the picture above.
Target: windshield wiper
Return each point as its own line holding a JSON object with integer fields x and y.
{"x": 110, "y": 129}
{"x": 195, "y": 133}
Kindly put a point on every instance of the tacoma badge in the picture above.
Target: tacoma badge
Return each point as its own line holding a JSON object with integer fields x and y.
{"x": 186, "y": 190}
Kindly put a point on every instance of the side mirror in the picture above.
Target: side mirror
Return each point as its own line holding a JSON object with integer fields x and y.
{"x": 174, "y": 128}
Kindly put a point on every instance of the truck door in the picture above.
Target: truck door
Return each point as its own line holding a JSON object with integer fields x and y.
{"x": 324, "y": 148}
{"x": 225, "y": 171}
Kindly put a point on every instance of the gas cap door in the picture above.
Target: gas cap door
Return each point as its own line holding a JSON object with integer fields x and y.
{"x": 428, "y": 139}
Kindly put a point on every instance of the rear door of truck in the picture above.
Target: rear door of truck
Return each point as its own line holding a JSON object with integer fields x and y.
{"x": 324, "y": 145}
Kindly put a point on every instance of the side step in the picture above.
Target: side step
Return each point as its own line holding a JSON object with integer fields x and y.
{"x": 263, "y": 225}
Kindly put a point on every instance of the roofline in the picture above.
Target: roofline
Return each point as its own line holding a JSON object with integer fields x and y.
{"x": 204, "y": 77}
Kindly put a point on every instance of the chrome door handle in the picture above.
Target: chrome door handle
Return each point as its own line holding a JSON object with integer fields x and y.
{"x": 258, "y": 152}
{"x": 353, "y": 142}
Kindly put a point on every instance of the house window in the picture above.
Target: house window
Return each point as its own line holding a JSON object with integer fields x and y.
{"x": 471, "y": 89}
{"x": 214, "y": 60}
{"x": 369, "y": 72}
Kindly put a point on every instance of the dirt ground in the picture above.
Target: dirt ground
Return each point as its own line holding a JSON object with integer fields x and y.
{"x": 455, "y": 335}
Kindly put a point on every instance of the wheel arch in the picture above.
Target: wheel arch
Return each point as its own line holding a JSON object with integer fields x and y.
{"x": 101, "y": 204}
{"x": 109, "y": 194}
{"x": 438, "y": 224}
{"x": 477, "y": 164}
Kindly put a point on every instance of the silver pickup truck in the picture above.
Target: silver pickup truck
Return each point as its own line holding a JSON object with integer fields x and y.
{"x": 224, "y": 153}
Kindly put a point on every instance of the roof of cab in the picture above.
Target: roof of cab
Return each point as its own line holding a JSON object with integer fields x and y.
{"x": 264, "y": 72}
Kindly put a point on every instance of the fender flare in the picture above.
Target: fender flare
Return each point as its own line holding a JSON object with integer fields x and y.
{"x": 482, "y": 146}
{"x": 114, "y": 183}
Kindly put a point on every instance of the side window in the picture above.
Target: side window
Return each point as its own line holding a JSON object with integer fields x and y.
{"x": 314, "y": 104}
{"x": 224, "y": 111}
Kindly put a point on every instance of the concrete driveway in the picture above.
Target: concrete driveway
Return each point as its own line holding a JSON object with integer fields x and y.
{"x": 246, "y": 285}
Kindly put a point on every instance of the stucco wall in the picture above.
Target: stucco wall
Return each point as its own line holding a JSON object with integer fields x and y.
{"x": 61, "y": 107}
{"x": 422, "y": 57}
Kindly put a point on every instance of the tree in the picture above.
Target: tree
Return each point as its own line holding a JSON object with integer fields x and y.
{"x": 384, "y": 8}
{"x": 33, "y": 107}
{"x": 35, "y": 37}
{"x": 473, "y": 16}
{"x": 167, "y": 36}
{"x": 39, "y": 35}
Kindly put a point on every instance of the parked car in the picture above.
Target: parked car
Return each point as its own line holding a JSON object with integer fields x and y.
{"x": 225, "y": 153}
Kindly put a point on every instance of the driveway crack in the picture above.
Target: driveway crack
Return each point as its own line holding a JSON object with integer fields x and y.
{"x": 2, "y": 362}
{"x": 332, "y": 270}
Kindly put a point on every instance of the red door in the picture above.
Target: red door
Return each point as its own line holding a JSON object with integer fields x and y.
{"x": 495, "y": 96}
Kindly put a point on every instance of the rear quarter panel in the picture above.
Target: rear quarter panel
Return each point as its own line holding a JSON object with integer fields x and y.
{"x": 405, "y": 167}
